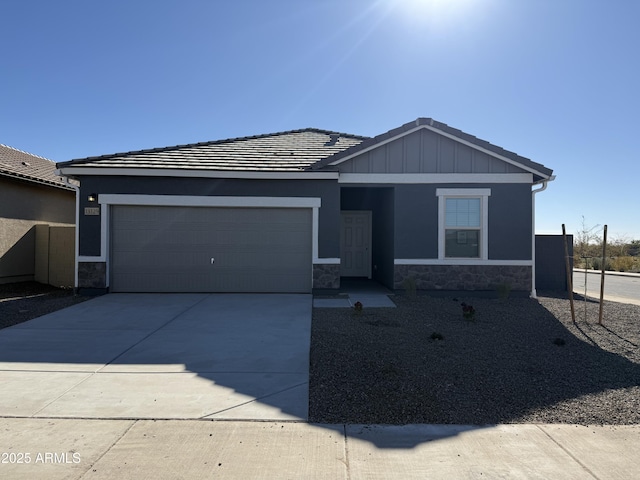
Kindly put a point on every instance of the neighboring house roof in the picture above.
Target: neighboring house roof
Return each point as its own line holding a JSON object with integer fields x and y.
{"x": 439, "y": 127}
{"x": 290, "y": 151}
{"x": 26, "y": 166}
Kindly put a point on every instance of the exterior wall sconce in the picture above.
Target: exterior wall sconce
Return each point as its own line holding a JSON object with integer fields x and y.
{"x": 93, "y": 197}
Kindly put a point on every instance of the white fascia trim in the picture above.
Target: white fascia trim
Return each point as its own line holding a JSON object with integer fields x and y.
{"x": 460, "y": 261}
{"x": 326, "y": 261}
{"x": 206, "y": 201}
{"x": 444, "y": 134}
{"x": 431, "y": 178}
{"x": 187, "y": 172}
{"x": 484, "y": 150}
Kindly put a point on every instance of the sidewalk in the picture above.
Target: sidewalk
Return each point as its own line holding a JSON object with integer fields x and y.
{"x": 608, "y": 272}
{"x": 593, "y": 288}
{"x": 194, "y": 449}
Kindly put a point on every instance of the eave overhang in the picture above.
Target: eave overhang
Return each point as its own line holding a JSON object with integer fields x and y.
{"x": 75, "y": 172}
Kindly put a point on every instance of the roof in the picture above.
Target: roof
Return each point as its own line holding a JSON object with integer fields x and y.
{"x": 434, "y": 126}
{"x": 26, "y": 166}
{"x": 290, "y": 151}
{"x": 302, "y": 150}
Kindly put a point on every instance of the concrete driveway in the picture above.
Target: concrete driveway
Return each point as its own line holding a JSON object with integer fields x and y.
{"x": 179, "y": 356}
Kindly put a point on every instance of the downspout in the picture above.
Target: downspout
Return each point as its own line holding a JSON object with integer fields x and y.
{"x": 533, "y": 233}
{"x": 77, "y": 227}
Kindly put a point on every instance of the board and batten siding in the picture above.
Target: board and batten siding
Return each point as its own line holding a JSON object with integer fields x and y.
{"x": 426, "y": 152}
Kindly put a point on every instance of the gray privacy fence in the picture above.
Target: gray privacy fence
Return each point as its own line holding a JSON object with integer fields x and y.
{"x": 551, "y": 272}
{"x": 55, "y": 255}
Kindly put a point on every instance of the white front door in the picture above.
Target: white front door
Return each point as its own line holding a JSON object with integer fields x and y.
{"x": 355, "y": 244}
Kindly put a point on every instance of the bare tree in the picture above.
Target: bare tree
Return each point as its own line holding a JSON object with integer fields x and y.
{"x": 587, "y": 242}
{"x": 619, "y": 245}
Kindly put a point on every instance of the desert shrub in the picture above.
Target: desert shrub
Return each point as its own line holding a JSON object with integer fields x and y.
{"x": 623, "y": 264}
{"x": 596, "y": 264}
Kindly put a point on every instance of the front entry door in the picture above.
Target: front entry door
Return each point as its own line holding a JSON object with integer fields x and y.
{"x": 355, "y": 244}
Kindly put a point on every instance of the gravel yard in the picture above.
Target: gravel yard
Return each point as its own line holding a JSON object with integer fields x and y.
{"x": 518, "y": 361}
{"x": 23, "y": 301}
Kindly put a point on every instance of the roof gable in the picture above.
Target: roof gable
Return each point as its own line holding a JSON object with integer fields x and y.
{"x": 28, "y": 167}
{"x": 427, "y": 146}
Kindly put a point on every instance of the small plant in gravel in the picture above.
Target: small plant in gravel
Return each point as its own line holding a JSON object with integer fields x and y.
{"x": 559, "y": 342}
{"x": 437, "y": 336}
{"x": 468, "y": 312}
{"x": 358, "y": 307}
{"x": 503, "y": 290}
{"x": 409, "y": 285}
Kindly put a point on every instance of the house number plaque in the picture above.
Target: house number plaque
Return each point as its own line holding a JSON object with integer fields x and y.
{"x": 92, "y": 210}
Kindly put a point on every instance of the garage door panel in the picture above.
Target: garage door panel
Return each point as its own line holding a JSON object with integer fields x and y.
{"x": 169, "y": 249}
{"x": 129, "y": 262}
{"x": 180, "y": 282}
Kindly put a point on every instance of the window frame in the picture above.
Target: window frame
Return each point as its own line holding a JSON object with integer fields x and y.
{"x": 483, "y": 195}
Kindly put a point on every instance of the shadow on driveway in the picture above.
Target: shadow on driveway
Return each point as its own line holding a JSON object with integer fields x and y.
{"x": 162, "y": 356}
{"x": 246, "y": 357}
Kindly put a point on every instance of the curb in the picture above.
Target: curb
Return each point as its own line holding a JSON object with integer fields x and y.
{"x": 608, "y": 272}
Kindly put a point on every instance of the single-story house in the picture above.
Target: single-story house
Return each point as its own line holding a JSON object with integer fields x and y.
{"x": 31, "y": 194}
{"x": 296, "y": 211}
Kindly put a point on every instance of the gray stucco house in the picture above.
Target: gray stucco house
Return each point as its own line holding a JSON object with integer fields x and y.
{"x": 295, "y": 211}
{"x": 31, "y": 195}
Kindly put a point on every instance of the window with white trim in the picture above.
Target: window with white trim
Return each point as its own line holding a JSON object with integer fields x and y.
{"x": 463, "y": 223}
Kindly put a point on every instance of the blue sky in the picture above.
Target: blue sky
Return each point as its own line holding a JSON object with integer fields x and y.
{"x": 556, "y": 81}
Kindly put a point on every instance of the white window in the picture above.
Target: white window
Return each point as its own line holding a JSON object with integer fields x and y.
{"x": 463, "y": 223}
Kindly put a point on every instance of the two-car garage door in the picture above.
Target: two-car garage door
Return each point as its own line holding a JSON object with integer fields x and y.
{"x": 210, "y": 249}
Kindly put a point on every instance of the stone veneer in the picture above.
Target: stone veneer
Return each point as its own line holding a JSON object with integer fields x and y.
{"x": 464, "y": 277}
{"x": 326, "y": 276}
{"x": 92, "y": 275}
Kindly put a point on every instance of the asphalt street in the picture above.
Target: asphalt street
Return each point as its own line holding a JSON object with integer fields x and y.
{"x": 616, "y": 287}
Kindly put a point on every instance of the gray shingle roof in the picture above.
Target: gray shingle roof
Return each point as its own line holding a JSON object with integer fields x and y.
{"x": 26, "y": 166}
{"x": 294, "y": 150}
{"x": 370, "y": 142}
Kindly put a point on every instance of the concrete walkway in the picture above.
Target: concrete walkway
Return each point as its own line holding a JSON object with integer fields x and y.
{"x": 185, "y": 356}
{"x": 369, "y": 293}
{"x": 133, "y": 449}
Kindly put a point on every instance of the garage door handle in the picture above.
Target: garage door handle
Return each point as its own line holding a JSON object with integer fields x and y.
{"x": 213, "y": 260}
